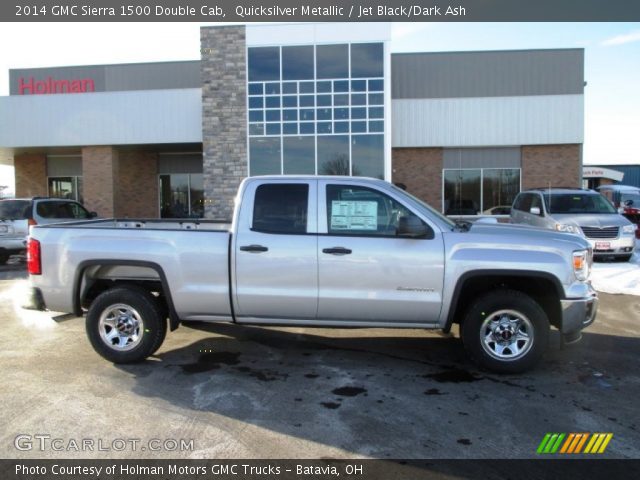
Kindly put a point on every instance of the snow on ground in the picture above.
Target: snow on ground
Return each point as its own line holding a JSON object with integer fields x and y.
{"x": 618, "y": 277}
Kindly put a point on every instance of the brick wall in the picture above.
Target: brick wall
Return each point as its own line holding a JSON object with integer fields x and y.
{"x": 137, "y": 185}
{"x": 99, "y": 172}
{"x": 31, "y": 175}
{"x": 224, "y": 116}
{"x": 551, "y": 165}
{"x": 420, "y": 169}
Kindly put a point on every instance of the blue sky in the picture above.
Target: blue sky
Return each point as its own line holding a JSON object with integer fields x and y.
{"x": 612, "y": 61}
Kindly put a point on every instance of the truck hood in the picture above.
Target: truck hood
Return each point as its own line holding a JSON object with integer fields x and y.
{"x": 525, "y": 234}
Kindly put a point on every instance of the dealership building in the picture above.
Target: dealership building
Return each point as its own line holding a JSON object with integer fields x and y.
{"x": 465, "y": 131}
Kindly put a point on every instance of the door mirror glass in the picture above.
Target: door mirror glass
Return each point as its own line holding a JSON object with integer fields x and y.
{"x": 534, "y": 210}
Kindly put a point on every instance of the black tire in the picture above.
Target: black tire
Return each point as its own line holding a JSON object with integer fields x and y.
{"x": 503, "y": 314}
{"x": 134, "y": 305}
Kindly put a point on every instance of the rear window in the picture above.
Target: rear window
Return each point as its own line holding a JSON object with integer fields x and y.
{"x": 281, "y": 208}
{"x": 62, "y": 210}
{"x": 577, "y": 203}
{"x": 15, "y": 209}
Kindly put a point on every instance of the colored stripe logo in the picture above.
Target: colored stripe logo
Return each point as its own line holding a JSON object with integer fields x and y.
{"x": 574, "y": 443}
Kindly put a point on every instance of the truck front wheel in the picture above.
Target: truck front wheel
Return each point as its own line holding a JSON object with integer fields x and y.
{"x": 125, "y": 324}
{"x": 505, "y": 331}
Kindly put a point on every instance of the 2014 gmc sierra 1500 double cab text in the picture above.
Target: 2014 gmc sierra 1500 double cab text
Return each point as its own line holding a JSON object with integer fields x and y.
{"x": 318, "y": 251}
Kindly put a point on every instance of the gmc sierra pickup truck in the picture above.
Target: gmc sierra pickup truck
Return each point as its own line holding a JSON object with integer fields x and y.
{"x": 318, "y": 252}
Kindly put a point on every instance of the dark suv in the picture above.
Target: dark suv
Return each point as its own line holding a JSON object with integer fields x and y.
{"x": 18, "y": 214}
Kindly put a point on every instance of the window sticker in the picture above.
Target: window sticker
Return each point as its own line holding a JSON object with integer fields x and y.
{"x": 352, "y": 215}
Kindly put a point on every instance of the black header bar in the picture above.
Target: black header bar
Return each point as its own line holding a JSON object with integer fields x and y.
{"x": 321, "y": 11}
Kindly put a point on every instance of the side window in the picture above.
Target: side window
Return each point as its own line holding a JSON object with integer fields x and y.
{"x": 62, "y": 210}
{"x": 524, "y": 204}
{"x": 536, "y": 201}
{"x": 281, "y": 208}
{"x": 353, "y": 210}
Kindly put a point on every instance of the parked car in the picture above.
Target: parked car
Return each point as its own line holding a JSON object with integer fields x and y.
{"x": 582, "y": 212}
{"x": 320, "y": 252}
{"x": 626, "y": 199}
{"x": 498, "y": 210}
{"x": 18, "y": 214}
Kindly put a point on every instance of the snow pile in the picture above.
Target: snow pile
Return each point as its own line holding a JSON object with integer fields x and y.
{"x": 617, "y": 277}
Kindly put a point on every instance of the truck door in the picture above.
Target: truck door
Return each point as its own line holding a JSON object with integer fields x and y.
{"x": 367, "y": 273}
{"x": 275, "y": 251}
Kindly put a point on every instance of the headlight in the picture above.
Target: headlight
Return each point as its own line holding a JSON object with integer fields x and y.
{"x": 629, "y": 229}
{"x": 581, "y": 264}
{"x": 562, "y": 227}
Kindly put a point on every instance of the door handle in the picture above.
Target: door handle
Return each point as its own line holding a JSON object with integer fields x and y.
{"x": 336, "y": 251}
{"x": 254, "y": 248}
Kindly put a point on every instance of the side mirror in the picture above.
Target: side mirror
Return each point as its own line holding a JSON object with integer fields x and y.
{"x": 93, "y": 214}
{"x": 534, "y": 210}
{"x": 628, "y": 203}
{"x": 411, "y": 226}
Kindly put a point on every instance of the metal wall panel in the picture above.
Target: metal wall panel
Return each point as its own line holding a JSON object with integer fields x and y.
{"x": 180, "y": 163}
{"x": 110, "y": 78}
{"x": 487, "y": 74}
{"x": 113, "y": 118}
{"x": 501, "y": 157}
{"x": 64, "y": 165}
{"x": 492, "y": 121}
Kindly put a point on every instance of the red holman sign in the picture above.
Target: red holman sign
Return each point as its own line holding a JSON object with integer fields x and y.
{"x": 31, "y": 86}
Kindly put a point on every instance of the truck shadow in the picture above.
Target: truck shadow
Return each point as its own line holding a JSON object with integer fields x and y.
{"x": 372, "y": 395}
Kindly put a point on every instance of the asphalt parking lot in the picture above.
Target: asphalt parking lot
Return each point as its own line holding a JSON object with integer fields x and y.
{"x": 246, "y": 392}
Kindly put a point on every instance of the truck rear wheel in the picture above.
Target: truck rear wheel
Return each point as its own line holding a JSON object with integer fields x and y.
{"x": 125, "y": 324}
{"x": 505, "y": 331}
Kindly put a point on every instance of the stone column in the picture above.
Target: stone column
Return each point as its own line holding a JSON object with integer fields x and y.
{"x": 224, "y": 116}
{"x": 31, "y": 175}
{"x": 99, "y": 176}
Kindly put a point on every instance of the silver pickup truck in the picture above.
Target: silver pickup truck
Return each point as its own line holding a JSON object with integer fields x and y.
{"x": 318, "y": 252}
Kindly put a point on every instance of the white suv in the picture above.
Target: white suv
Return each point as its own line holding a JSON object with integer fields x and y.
{"x": 18, "y": 214}
{"x": 578, "y": 211}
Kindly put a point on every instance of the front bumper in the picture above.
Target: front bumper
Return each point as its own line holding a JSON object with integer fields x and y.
{"x": 612, "y": 247}
{"x": 578, "y": 313}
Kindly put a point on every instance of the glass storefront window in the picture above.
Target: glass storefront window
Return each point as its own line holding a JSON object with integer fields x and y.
{"x": 499, "y": 188}
{"x": 333, "y": 155}
{"x": 299, "y": 155}
{"x": 297, "y": 63}
{"x": 298, "y": 95}
{"x": 65, "y": 187}
{"x": 264, "y": 64}
{"x": 265, "y": 156}
{"x": 332, "y": 61}
{"x": 367, "y": 152}
{"x": 488, "y": 191}
{"x": 181, "y": 195}
{"x": 367, "y": 60}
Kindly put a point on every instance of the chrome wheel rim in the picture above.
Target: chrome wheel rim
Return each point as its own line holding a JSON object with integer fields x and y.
{"x": 506, "y": 335}
{"x": 121, "y": 327}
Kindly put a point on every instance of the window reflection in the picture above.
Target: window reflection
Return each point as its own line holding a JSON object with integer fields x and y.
{"x": 333, "y": 155}
{"x": 299, "y": 155}
{"x": 367, "y": 60}
{"x": 264, "y": 64}
{"x": 297, "y": 63}
{"x": 332, "y": 61}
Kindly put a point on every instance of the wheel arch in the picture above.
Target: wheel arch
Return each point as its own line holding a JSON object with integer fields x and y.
{"x": 545, "y": 289}
{"x": 84, "y": 287}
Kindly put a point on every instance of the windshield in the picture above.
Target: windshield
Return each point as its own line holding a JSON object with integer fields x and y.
{"x": 14, "y": 209}
{"x": 425, "y": 205}
{"x": 577, "y": 203}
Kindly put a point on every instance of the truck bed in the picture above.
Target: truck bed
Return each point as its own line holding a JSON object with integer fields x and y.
{"x": 162, "y": 224}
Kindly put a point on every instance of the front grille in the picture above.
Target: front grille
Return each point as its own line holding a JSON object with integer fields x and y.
{"x": 595, "y": 232}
